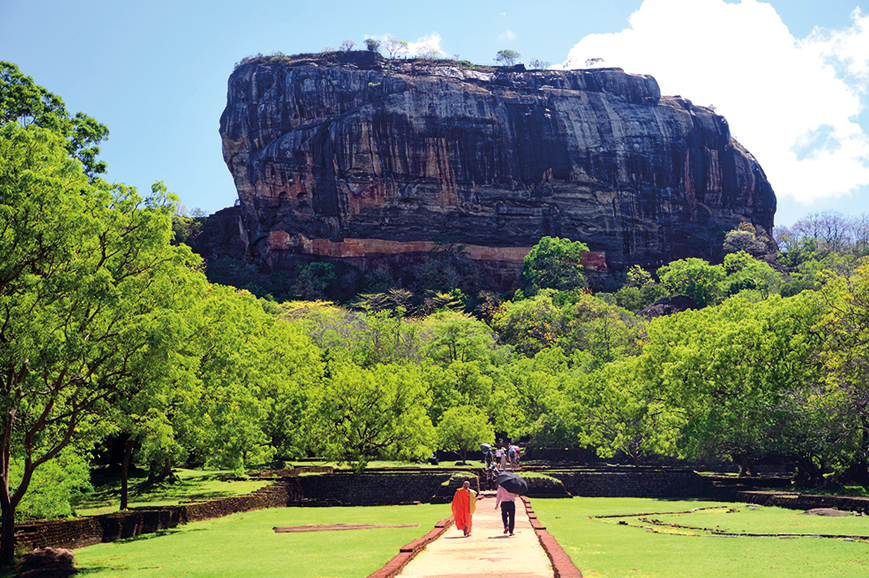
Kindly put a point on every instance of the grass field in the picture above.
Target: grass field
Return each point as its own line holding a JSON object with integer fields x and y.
{"x": 245, "y": 545}
{"x": 637, "y": 546}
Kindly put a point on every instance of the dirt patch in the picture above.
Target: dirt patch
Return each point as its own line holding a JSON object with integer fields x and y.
{"x": 323, "y": 527}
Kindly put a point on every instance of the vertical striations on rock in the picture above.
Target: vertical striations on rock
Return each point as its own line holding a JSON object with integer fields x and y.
{"x": 346, "y": 156}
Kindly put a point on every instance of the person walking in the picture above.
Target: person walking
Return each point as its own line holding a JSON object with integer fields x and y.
{"x": 464, "y": 503}
{"x": 503, "y": 449}
{"x": 508, "y": 509}
{"x": 514, "y": 457}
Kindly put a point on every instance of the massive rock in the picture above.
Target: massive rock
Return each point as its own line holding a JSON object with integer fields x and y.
{"x": 356, "y": 159}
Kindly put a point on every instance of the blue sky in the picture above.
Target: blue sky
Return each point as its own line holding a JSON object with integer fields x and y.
{"x": 791, "y": 76}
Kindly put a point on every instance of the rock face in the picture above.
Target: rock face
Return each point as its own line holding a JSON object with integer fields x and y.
{"x": 353, "y": 158}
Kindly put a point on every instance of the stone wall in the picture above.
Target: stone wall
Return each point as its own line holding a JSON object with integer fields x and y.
{"x": 372, "y": 489}
{"x": 797, "y": 501}
{"x": 111, "y": 527}
{"x": 634, "y": 484}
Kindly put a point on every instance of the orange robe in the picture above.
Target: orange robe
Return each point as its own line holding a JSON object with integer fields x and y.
{"x": 464, "y": 503}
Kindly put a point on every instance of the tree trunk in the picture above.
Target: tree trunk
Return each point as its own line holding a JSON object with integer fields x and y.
{"x": 7, "y": 534}
{"x": 125, "y": 473}
{"x": 746, "y": 466}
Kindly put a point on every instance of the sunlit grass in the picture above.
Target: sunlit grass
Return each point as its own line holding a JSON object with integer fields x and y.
{"x": 245, "y": 545}
{"x": 630, "y": 546}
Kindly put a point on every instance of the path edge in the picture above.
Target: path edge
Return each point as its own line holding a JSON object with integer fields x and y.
{"x": 409, "y": 551}
{"x": 562, "y": 565}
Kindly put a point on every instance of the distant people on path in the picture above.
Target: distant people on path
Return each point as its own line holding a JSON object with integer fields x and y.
{"x": 464, "y": 503}
{"x": 502, "y": 447}
{"x": 487, "y": 457}
{"x": 492, "y": 476}
{"x": 514, "y": 456}
{"x": 508, "y": 509}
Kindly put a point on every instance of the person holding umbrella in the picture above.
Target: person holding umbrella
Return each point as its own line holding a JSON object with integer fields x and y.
{"x": 510, "y": 486}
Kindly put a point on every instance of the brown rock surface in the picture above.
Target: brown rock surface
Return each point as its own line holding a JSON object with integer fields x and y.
{"x": 345, "y": 156}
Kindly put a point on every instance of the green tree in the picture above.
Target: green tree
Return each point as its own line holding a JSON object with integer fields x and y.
{"x": 543, "y": 411}
{"x": 372, "y": 45}
{"x": 694, "y": 278}
{"x": 507, "y": 57}
{"x": 364, "y": 414}
{"x": 56, "y": 486}
{"x": 528, "y": 325}
{"x": 603, "y": 332}
{"x": 88, "y": 301}
{"x": 746, "y": 272}
{"x": 463, "y": 428}
{"x": 449, "y": 336}
{"x": 25, "y": 102}
{"x": 731, "y": 369}
{"x": 844, "y": 327}
{"x": 554, "y": 263}
{"x": 620, "y": 411}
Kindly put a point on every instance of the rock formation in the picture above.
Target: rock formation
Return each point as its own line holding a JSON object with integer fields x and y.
{"x": 353, "y": 158}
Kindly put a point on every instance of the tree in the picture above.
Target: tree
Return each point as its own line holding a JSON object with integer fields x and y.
{"x": 372, "y": 45}
{"x": 602, "y": 332}
{"x": 89, "y": 299}
{"x": 746, "y": 272}
{"x": 554, "y": 263}
{"x": 732, "y": 369}
{"x": 450, "y": 336}
{"x": 843, "y": 354}
{"x": 360, "y": 415}
{"x": 620, "y": 411}
{"x": 529, "y": 324}
{"x": 462, "y": 428}
{"x": 694, "y": 278}
{"x": 24, "y": 102}
{"x": 395, "y": 47}
{"x": 507, "y": 57}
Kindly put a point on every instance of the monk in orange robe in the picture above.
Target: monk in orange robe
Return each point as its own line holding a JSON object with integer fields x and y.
{"x": 464, "y": 503}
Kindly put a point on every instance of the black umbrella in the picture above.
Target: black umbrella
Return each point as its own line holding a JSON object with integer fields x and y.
{"x": 513, "y": 483}
{"x": 485, "y": 447}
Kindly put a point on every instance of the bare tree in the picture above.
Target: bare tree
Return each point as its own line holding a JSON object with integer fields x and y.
{"x": 396, "y": 48}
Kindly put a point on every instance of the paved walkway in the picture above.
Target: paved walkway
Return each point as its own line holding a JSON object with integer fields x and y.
{"x": 486, "y": 552}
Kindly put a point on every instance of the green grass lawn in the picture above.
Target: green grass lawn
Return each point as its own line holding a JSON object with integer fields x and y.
{"x": 189, "y": 485}
{"x": 604, "y": 547}
{"x": 245, "y": 545}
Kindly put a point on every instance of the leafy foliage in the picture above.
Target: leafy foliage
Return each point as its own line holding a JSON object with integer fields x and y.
{"x": 25, "y": 102}
{"x": 554, "y": 263}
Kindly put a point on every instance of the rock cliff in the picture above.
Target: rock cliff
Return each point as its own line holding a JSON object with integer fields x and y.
{"x": 351, "y": 157}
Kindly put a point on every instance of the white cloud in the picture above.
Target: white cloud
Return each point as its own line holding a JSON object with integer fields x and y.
{"x": 792, "y": 103}
{"x": 507, "y": 35}
{"x": 426, "y": 45}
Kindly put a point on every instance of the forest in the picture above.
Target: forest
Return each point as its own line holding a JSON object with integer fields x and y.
{"x": 112, "y": 335}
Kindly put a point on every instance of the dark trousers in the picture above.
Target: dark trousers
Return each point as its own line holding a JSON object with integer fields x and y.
{"x": 508, "y": 515}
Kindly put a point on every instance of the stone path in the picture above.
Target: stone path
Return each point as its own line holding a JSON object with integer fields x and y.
{"x": 486, "y": 552}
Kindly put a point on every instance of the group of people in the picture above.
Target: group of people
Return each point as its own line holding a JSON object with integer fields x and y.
{"x": 464, "y": 505}
{"x": 499, "y": 459}
{"x": 504, "y": 455}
